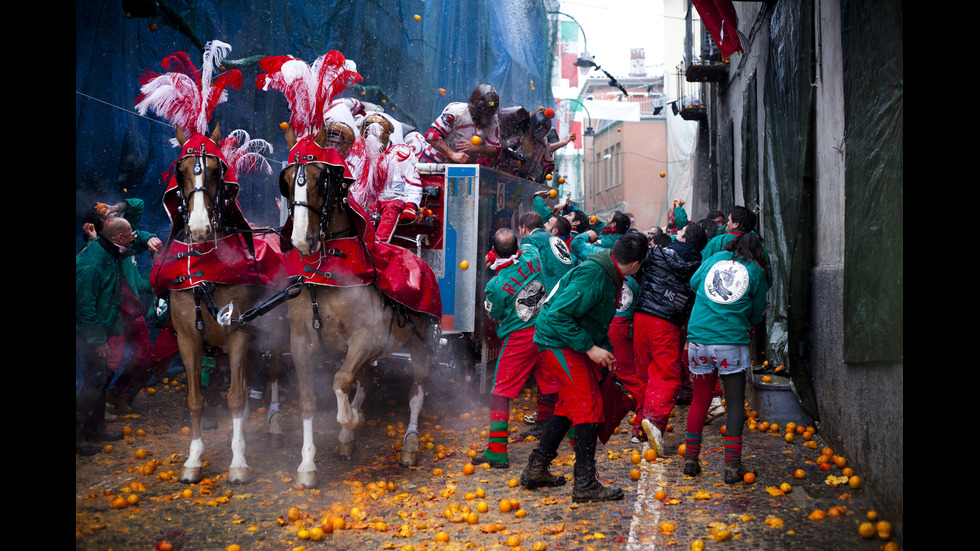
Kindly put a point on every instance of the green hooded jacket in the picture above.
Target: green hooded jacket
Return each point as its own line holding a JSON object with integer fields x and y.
{"x": 580, "y": 308}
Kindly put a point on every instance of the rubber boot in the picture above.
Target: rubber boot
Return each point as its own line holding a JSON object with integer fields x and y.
{"x": 536, "y": 474}
{"x": 587, "y": 486}
{"x": 692, "y": 466}
{"x": 734, "y": 472}
{"x": 83, "y": 447}
{"x": 95, "y": 429}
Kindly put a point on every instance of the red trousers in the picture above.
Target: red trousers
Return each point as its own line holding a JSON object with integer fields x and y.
{"x": 519, "y": 356}
{"x": 658, "y": 345}
{"x": 579, "y": 398}
{"x": 391, "y": 212}
{"x": 137, "y": 335}
{"x": 635, "y": 380}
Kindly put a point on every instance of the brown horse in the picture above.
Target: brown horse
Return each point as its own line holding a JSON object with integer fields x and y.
{"x": 200, "y": 190}
{"x": 355, "y": 322}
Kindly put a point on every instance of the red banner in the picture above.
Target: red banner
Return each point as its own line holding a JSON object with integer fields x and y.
{"x": 720, "y": 19}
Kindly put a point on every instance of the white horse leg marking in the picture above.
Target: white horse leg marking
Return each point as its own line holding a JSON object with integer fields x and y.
{"x": 306, "y": 473}
{"x": 309, "y": 449}
{"x": 345, "y": 415}
{"x": 194, "y": 455}
{"x": 415, "y": 405}
{"x": 237, "y": 444}
{"x": 301, "y": 220}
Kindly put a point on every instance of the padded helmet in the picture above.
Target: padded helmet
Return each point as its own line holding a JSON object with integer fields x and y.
{"x": 378, "y": 125}
{"x": 540, "y": 125}
{"x": 340, "y": 136}
{"x": 483, "y": 104}
{"x": 513, "y": 121}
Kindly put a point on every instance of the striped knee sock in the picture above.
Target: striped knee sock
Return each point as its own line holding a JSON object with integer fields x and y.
{"x": 497, "y": 443}
{"x": 733, "y": 449}
{"x": 692, "y": 445}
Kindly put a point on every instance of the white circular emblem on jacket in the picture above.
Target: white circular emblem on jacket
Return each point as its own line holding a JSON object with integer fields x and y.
{"x": 625, "y": 298}
{"x": 560, "y": 249}
{"x": 726, "y": 282}
{"x": 529, "y": 300}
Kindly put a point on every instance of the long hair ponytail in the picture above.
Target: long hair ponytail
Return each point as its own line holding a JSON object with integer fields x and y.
{"x": 748, "y": 247}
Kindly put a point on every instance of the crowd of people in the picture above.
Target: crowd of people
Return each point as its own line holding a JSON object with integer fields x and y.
{"x": 577, "y": 303}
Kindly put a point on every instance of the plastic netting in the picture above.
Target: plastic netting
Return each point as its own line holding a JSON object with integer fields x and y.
{"x": 874, "y": 76}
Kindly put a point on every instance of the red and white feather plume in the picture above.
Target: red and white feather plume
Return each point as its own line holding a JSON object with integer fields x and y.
{"x": 309, "y": 90}
{"x": 183, "y": 95}
{"x": 245, "y": 154}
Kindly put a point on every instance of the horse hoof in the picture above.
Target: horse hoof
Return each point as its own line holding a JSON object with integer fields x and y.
{"x": 346, "y": 449}
{"x": 275, "y": 440}
{"x": 191, "y": 475}
{"x": 238, "y": 475}
{"x": 410, "y": 451}
{"x": 306, "y": 479}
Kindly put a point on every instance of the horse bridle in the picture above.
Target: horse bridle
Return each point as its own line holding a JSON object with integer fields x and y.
{"x": 217, "y": 200}
{"x": 325, "y": 189}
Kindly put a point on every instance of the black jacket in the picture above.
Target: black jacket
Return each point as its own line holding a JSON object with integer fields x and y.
{"x": 665, "y": 287}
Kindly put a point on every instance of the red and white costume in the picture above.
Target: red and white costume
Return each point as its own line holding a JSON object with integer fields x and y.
{"x": 456, "y": 124}
{"x": 387, "y": 179}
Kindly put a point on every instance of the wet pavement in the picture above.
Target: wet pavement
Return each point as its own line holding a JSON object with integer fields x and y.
{"x": 430, "y": 500}
{"x": 741, "y": 516}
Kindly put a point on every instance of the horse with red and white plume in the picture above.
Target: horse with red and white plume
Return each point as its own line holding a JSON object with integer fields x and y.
{"x": 308, "y": 89}
{"x": 209, "y": 262}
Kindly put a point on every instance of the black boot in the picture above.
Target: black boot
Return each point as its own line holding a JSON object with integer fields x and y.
{"x": 94, "y": 427}
{"x": 535, "y": 431}
{"x": 82, "y": 447}
{"x": 587, "y": 486}
{"x": 734, "y": 472}
{"x": 692, "y": 466}
{"x": 536, "y": 475}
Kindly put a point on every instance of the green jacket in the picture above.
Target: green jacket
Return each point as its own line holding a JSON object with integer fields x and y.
{"x": 578, "y": 311}
{"x": 541, "y": 208}
{"x": 98, "y": 291}
{"x": 553, "y": 253}
{"x": 514, "y": 296}
{"x": 717, "y": 244}
{"x": 730, "y": 297}
{"x": 680, "y": 218}
{"x": 139, "y": 283}
{"x": 582, "y": 248}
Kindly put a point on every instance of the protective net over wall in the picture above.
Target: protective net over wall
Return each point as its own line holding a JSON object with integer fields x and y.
{"x": 874, "y": 76}
{"x": 788, "y": 190}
